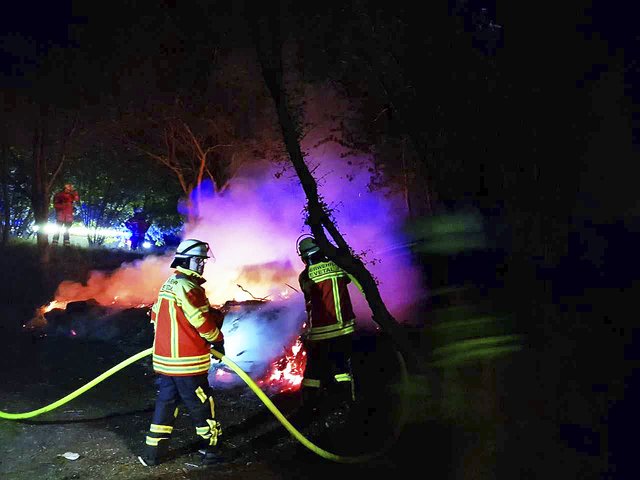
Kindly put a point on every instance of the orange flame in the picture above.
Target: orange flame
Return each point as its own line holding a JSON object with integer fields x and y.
{"x": 51, "y": 305}
{"x": 286, "y": 373}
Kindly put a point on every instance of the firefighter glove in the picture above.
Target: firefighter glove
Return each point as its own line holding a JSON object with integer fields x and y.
{"x": 218, "y": 315}
{"x": 218, "y": 347}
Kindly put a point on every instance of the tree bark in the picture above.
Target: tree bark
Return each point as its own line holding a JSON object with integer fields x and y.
{"x": 6, "y": 202}
{"x": 40, "y": 185}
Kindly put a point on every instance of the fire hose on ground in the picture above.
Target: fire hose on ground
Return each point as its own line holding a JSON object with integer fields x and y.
{"x": 256, "y": 389}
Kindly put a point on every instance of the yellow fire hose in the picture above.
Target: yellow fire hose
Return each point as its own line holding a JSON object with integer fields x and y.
{"x": 256, "y": 389}
{"x": 80, "y": 391}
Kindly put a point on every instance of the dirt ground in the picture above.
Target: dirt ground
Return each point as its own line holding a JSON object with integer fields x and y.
{"x": 504, "y": 426}
{"x": 106, "y": 426}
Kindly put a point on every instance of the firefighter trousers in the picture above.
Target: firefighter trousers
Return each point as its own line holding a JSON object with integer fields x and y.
{"x": 63, "y": 226}
{"x": 195, "y": 393}
{"x": 328, "y": 369}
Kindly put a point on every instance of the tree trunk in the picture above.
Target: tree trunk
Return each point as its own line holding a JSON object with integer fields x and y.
{"x": 266, "y": 31}
{"x": 40, "y": 186}
{"x": 6, "y": 205}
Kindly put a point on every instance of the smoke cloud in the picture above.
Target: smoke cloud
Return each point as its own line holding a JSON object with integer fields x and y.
{"x": 252, "y": 228}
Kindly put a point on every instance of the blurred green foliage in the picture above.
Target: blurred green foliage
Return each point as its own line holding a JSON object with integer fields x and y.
{"x": 465, "y": 338}
{"x": 447, "y": 233}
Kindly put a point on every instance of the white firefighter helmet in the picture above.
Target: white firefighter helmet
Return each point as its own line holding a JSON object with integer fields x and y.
{"x": 307, "y": 247}
{"x": 196, "y": 251}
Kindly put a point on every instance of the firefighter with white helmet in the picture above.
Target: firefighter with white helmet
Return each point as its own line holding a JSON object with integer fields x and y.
{"x": 186, "y": 328}
{"x": 330, "y": 326}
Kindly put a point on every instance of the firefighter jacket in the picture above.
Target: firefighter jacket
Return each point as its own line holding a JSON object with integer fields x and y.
{"x": 137, "y": 225}
{"x": 327, "y": 299}
{"x": 63, "y": 203}
{"x": 185, "y": 325}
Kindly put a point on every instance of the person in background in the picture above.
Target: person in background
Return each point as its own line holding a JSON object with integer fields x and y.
{"x": 138, "y": 226}
{"x": 63, "y": 204}
{"x": 186, "y": 329}
{"x": 330, "y": 326}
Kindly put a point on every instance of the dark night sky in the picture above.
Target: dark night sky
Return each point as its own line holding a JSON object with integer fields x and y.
{"x": 48, "y": 23}
{"x": 44, "y": 22}
{"x": 29, "y": 28}
{"x": 616, "y": 23}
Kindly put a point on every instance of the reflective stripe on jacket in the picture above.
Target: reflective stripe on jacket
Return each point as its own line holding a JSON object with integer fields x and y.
{"x": 185, "y": 324}
{"x": 329, "y": 308}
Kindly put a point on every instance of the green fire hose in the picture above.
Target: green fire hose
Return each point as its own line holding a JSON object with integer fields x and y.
{"x": 256, "y": 389}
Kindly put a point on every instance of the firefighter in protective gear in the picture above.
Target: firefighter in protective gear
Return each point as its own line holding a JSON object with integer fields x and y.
{"x": 63, "y": 204}
{"x": 330, "y": 327}
{"x": 186, "y": 328}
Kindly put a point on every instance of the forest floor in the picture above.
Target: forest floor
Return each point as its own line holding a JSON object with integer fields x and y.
{"x": 106, "y": 426}
{"x": 503, "y": 427}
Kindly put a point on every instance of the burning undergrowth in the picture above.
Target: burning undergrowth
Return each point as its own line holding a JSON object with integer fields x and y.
{"x": 261, "y": 336}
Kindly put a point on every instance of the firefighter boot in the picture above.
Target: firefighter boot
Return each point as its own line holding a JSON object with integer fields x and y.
{"x": 310, "y": 398}
{"x": 151, "y": 456}
{"x": 212, "y": 455}
{"x": 345, "y": 391}
{"x": 310, "y": 407}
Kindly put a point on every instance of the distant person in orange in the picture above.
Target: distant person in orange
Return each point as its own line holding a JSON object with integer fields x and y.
{"x": 63, "y": 203}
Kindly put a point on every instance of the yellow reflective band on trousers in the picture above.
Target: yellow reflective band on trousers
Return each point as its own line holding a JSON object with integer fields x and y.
{"x": 201, "y": 395}
{"x": 213, "y": 407}
{"x": 153, "y": 442}
{"x": 160, "y": 428}
{"x": 310, "y": 382}
{"x": 216, "y": 431}
{"x": 342, "y": 377}
{"x": 211, "y": 432}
